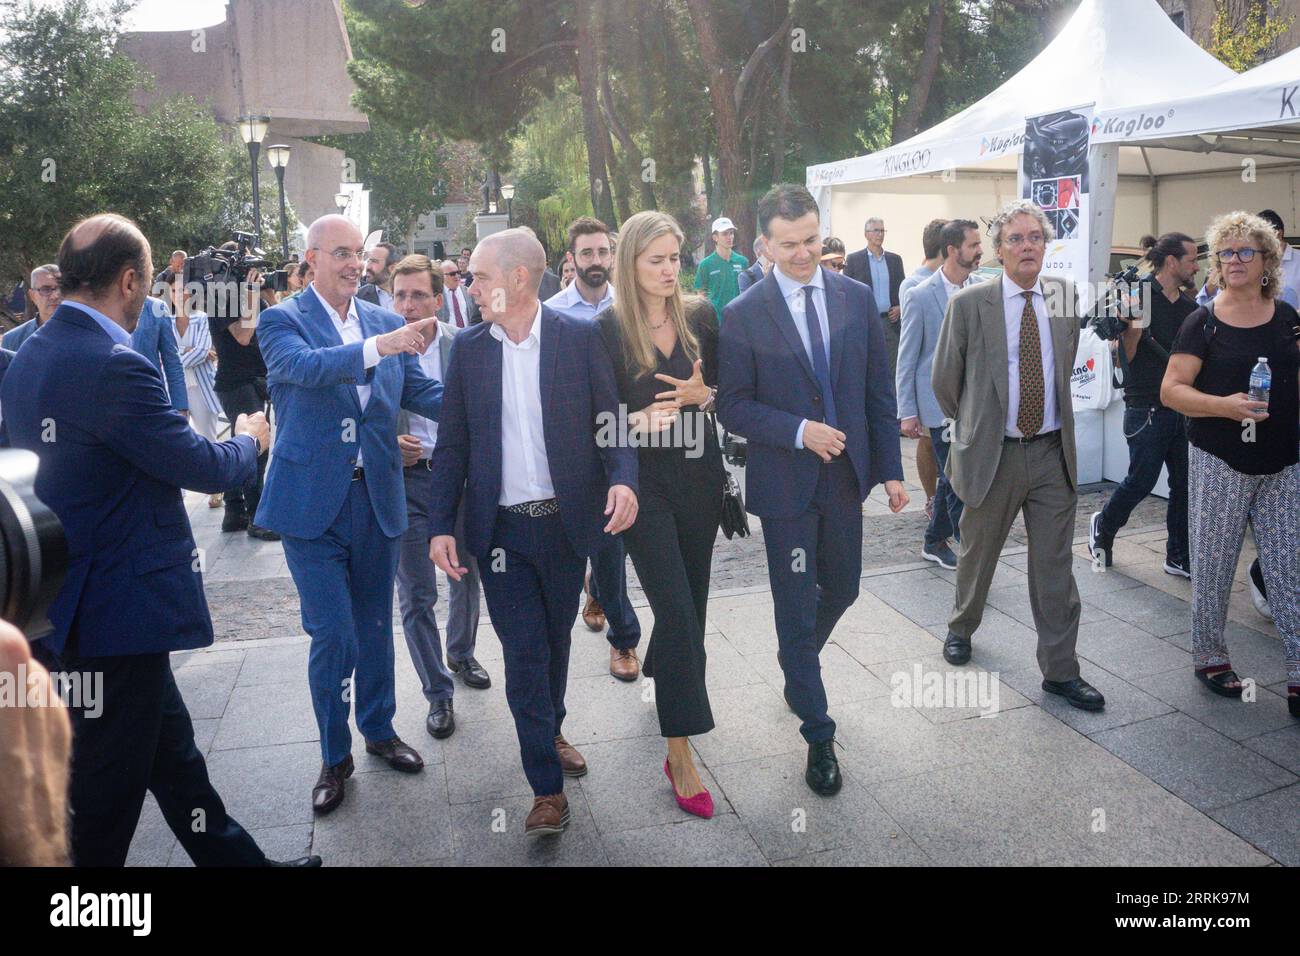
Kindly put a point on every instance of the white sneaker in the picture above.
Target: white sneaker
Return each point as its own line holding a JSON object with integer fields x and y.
{"x": 1257, "y": 591}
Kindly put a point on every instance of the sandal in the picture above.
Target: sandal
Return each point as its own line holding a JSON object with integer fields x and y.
{"x": 1219, "y": 680}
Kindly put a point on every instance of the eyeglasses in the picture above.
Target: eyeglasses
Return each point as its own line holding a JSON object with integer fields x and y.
{"x": 342, "y": 256}
{"x": 870, "y": 231}
{"x": 1033, "y": 239}
{"x": 46, "y": 290}
{"x": 453, "y": 272}
{"x": 1241, "y": 255}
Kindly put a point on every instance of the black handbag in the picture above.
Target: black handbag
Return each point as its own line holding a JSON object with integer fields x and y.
{"x": 734, "y": 519}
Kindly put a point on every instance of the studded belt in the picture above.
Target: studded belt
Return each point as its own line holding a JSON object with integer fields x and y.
{"x": 535, "y": 509}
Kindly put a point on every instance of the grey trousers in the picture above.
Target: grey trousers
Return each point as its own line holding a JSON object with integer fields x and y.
{"x": 417, "y": 593}
{"x": 1030, "y": 478}
{"x": 893, "y": 335}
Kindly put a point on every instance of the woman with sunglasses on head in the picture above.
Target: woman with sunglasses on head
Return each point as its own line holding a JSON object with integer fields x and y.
{"x": 1243, "y": 457}
{"x": 665, "y": 353}
{"x": 833, "y": 254}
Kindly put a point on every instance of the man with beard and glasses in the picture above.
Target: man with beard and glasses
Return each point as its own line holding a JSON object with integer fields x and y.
{"x": 592, "y": 253}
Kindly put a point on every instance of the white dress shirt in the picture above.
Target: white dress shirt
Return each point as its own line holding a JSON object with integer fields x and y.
{"x": 792, "y": 290}
{"x": 431, "y": 362}
{"x": 1013, "y": 302}
{"x": 458, "y": 294}
{"x": 349, "y": 330}
{"x": 525, "y": 470}
{"x": 569, "y": 301}
{"x": 385, "y": 299}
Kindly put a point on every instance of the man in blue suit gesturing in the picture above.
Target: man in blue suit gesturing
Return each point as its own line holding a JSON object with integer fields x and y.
{"x": 338, "y": 370}
{"x": 112, "y": 469}
{"x": 804, "y": 375}
{"x": 527, "y": 390}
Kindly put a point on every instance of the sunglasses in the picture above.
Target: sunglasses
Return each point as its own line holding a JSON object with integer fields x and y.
{"x": 454, "y": 272}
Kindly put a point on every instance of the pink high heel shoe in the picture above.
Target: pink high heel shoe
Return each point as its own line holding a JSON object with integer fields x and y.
{"x": 701, "y": 804}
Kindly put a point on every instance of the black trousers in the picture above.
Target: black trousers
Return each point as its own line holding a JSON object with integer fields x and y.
{"x": 671, "y": 545}
{"x": 139, "y": 737}
{"x": 246, "y": 399}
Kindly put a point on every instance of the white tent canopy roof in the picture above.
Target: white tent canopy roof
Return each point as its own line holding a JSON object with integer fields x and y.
{"x": 1119, "y": 55}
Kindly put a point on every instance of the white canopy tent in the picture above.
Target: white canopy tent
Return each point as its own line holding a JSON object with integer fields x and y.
{"x": 1154, "y": 165}
{"x": 1156, "y": 162}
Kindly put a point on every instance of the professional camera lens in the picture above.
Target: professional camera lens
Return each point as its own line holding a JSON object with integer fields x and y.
{"x": 33, "y": 548}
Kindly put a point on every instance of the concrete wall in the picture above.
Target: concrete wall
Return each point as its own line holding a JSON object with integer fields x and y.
{"x": 283, "y": 58}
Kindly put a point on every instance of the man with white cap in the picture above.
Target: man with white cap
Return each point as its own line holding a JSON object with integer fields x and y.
{"x": 719, "y": 271}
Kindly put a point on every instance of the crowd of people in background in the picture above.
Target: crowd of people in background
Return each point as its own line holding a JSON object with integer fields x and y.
{"x": 444, "y": 415}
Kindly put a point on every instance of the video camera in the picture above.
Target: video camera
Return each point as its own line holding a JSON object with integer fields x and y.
{"x": 1114, "y": 310}
{"x": 33, "y": 547}
{"x": 215, "y": 266}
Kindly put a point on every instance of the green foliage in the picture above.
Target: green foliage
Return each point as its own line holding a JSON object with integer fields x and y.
{"x": 404, "y": 169}
{"x": 73, "y": 143}
{"x": 1245, "y": 32}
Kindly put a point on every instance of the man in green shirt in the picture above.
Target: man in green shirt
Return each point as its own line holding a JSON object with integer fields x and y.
{"x": 718, "y": 271}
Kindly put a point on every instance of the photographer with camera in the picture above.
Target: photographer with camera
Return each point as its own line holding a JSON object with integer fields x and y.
{"x": 1156, "y": 435}
{"x": 240, "y": 382}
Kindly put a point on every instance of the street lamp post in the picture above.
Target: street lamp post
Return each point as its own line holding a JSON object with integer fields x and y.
{"x": 252, "y": 129}
{"x": 279, "y": 158}
{"x": 508, "y": 194}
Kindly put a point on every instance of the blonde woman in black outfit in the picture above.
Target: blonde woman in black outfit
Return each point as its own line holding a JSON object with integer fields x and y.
{"x": 665, "y": 351}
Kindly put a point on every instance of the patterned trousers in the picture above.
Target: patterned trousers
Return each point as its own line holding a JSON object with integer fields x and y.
{"x": 1220, "y": 500}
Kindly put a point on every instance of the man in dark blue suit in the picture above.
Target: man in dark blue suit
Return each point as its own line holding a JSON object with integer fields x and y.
{"x": 525, "y": 394}
{"x": 338, "y": 370}
{"x": 804, "y": 375}
{"x": 111, "y": 469}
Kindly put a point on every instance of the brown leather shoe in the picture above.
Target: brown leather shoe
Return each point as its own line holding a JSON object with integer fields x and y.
{"x": 549, "y": 815}
{"x": 328, "y": 792}
{"x": 593, "y": 615}
{"x": 571, "y": 762}
{"x": 624, "y": 664}
{"x": 399, "y": 755}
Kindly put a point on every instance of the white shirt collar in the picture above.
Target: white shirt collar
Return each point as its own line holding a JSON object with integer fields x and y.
{"x": 1288, "y": 252}
{"x": 533, "y": 338}
{"x": 332, "y": 312}
{"x": 1012, "y": 291}
{"x": 790, "y": 286}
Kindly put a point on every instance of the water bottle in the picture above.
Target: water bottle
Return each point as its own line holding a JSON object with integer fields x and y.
{"x": 1261, "y": 380}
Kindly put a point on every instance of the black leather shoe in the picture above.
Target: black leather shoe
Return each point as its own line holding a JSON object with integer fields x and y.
{"x": 441, "y": 721}
{"x": 302, "y": 861}
{"x": 399, "y": 755}
{"x": 262, "y": 534}
{"x": 471, "y": 672}
{"x": 234, "y": 521}
{"x": 328, "y": 792}
{"x": 1077, "y": 693}
{"x": 956, "y": 650}
{"x": 823, "y": 773}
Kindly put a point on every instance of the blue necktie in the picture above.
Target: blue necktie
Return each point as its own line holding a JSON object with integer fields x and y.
{"x": 821, "y": 367}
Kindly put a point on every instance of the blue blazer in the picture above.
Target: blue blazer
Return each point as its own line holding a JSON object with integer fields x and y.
{"x": 114, "y": 458}
{"x": 924, "y": 306}
{"x": 576, "y": 379}
{"x": 18, "y": 335}
{"x": 766, "y": 387}
{"x": 313, "y": 377}
{"x": 153, "y": 338}
{"x": 751, "y": 275}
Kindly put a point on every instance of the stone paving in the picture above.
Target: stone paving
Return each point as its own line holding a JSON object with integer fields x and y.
{"x": 1166, "y": 774}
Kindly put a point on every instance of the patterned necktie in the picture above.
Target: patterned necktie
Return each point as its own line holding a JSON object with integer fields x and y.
{"x": 1029, "y": 418}
{"x": 455, "y": 302}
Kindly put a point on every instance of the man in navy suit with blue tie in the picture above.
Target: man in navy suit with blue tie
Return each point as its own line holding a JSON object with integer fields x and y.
{"x": 112, "y": 470}
{"x": 338, "y": 370}
{"x": 804, "y": 376}
{"x": 526, "y": 392}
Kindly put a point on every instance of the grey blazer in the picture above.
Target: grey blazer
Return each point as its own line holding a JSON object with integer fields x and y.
{"x": 445, "y": 334}
{"x": 970, "y": 380}
{"x": 924, "y": 306}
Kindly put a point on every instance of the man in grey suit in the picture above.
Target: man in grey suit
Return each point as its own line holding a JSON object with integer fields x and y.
{"x": 924, "y": 306}
{"x": 417, "y": 294}
{"x": 1002, "y": 374}
{"x": 458, "y": 308}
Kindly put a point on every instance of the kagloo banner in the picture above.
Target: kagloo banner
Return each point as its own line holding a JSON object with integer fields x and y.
{"x": 1054, "y": 175}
